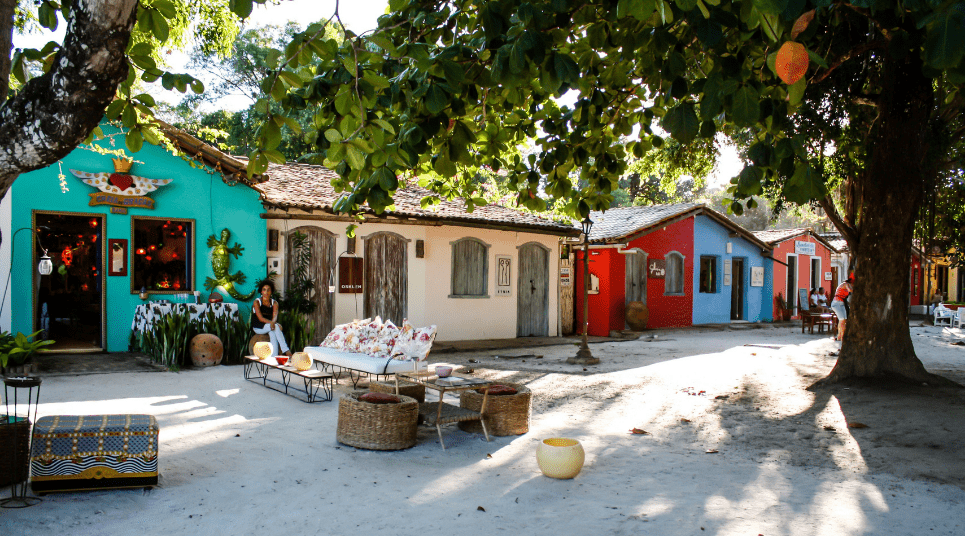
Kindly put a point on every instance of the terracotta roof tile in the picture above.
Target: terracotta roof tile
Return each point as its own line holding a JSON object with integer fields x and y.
{"x": 308, "y": 187}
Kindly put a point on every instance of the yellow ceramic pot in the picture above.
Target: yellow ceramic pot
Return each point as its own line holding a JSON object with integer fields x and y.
{"x": 301, "y": 361}
{"x": 263, "y": 350}
{"x": 560, "y": 457}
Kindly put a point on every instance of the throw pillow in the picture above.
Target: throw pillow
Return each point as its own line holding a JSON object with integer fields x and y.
{"x": 402, "y": 339}
{"x": 336, "y": 338}
{"x": 379, "y": 398}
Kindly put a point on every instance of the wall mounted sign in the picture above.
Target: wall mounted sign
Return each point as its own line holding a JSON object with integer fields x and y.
{"x": 757, "y": 276}
{"x": 827, "y": 276}
{"x": 121, "y": 189}
{"x": 657, "y": 269}
{"x": 804, "y": 248}
{"x": 350, "y": 275}
{"x": 566, "y": 280}
{"x": 726, "y": 280}
{"x": 117, "y": 251}
{"x": 504, "y": 273}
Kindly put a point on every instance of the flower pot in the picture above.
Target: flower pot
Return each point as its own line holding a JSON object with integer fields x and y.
{"x": 560, "y": 457}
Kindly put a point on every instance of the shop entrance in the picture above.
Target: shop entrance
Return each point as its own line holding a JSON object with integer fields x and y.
{"x": 68, "y": 303}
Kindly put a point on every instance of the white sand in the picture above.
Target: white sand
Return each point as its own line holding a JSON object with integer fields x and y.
{"x": 237, "y": 458}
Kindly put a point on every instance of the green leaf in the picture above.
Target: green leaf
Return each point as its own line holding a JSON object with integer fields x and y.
{"x": 945, "y": 41}
{"x": 566, "y": 69}
{"x": 290, "y": 77}
{"x": 436, "y": 100}
{"x": 455, "y": 74}
{"x": 129, "y": 115}
{"x": 166, "y": 7}
{"x": 114, "y": 108}
{"x": 271, "y": 135}
{"x": 134, "y": 141}
{"x": 682, "y": 123}
{"x": 805, "y": 185}
{"x": 746, "y": 108}
{"x": 333, "y": 135}
{"x": 355, "y": 157}
{"x": 47, "y": 16}
{"x": 386, "y": 179}
{"x": 749, "y": 181}
{"x": 795, "y": 93}
{"x": 160, "y": 28}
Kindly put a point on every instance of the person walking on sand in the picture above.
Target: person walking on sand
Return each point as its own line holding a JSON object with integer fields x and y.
{"x": 840, "y": 304}
{"x": 265, "y": 318}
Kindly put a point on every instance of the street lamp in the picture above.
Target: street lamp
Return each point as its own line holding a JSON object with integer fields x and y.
{"x": 45, "y": 267}
{"x": 583, "y": 356}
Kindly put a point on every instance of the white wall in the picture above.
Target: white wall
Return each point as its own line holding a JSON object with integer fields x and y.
{"x": 430, "y": 278}
{"x": 5, "y": 228}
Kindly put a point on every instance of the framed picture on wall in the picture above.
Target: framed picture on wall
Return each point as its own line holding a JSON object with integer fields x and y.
{"x": 117, "y": 255}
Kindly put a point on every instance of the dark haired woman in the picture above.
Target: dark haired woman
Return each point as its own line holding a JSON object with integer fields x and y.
{"x": 265, "y": 318}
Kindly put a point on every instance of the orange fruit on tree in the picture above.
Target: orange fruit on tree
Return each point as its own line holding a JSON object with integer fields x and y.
{"x": 791, "y": 62}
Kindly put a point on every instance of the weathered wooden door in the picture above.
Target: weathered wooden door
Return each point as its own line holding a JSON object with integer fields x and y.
{"x": 386, "y": 277}
{"x": 532, "y": 304}
{"x": 321, "y": 258}
{"x": 737, "y": 289}
{"x": 636, "y": 278}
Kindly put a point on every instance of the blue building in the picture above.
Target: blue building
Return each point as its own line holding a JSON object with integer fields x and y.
{"x": 733, "y": 279}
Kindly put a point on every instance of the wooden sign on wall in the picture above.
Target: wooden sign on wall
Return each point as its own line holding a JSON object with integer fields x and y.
{"x": 350, "y": 275}
{"x": 657, "y": 268}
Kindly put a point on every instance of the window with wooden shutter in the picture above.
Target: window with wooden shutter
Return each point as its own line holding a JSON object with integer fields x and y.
{"x": 674, "y": 279}
{"x": 470, "y": 268}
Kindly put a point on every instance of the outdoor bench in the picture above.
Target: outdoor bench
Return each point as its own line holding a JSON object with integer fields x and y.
{"x": 374, "y": 347}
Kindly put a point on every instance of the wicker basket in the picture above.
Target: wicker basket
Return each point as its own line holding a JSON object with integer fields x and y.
{"x": 414, "y": 390}
{"x": 14, "y": 464}
{"x": 377, "y": 426}
{"x": 505, "y": 414}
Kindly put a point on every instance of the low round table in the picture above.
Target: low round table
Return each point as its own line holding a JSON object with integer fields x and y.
{"x": 377, "y": 426}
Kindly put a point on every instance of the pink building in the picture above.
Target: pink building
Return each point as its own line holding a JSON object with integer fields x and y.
{"x": 802, "y": 261}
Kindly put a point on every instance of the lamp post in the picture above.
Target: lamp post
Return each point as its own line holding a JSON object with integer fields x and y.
{"x": 584, "y": 356}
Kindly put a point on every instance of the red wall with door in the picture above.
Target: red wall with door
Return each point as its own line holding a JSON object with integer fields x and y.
{"x": 782, "y": 250}
{"x": 606, "y": 309}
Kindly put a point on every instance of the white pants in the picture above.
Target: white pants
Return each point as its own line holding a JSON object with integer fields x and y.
{"x": 277, "y": 338}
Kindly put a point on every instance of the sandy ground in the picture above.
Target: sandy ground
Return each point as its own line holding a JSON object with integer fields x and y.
{"x": 736, "y": 444}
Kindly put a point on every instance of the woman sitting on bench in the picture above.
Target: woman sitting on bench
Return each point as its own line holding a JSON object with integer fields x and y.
{"x": 265, "y": 318}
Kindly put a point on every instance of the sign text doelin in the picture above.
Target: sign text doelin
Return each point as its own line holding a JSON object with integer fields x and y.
{"x": 803, "y": 248}
{"x": 126, "y": 201}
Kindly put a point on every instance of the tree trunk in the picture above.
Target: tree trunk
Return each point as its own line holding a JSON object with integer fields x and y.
{"x": 7, "y": 8}
{"x": 877, "y": 342}
{"x": 55, "y": 112}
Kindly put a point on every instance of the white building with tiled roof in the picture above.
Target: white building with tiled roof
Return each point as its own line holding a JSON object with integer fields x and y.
{"x": 486, "y": 274}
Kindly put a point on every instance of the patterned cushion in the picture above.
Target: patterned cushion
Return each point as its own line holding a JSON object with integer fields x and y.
{"x": 402, "y": 340}
{"x": 336, "y": 339}
{"x": 382, "y": 345}
{"x": 421, "y": 342}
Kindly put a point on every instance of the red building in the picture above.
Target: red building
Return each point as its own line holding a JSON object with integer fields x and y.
{"x": 802, "y": 262}
{"x": 648, "y": 255}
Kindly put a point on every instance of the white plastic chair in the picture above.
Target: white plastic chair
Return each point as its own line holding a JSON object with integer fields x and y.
{"x": 959, "y": 319}
{"x": 944, "y": 315}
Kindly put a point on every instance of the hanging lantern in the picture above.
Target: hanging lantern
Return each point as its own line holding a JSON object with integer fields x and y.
{"x": 93, "y": 223}
{"x": 67, "y": 256}
{"x": 46, "y": 266}
{"x": 140, "y": 251}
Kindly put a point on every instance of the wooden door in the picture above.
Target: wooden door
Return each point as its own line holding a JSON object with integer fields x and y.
{"x": 320, "y": 253}
{"x": 386, "y": 276}
{"x": 532, "y": 304}
{"x": 834, "y": 282}
{"x": 737, "y": 289}
{"x": 636, "y": 278}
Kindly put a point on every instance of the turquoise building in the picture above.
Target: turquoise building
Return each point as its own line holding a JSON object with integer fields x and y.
{"x": 733, "y": 275}
{"x": 111, "y": 233}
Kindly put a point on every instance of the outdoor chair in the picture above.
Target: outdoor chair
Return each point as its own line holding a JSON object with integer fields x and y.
{"x": 944, "y": 316}
{"x": 810, "y": 318}
{"x": 958, "y": 320}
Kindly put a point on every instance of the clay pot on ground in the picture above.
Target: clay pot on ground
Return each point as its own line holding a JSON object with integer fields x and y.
{"x": 560, "y": 457}
{"x": 206, "y": 350}
{"x": 637, "y": 315}
{"x": 258, "y": 337}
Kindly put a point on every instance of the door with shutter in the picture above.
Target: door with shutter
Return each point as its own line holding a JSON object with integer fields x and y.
{"x": 318, "y": 264}
{"x": 386, "y": 276}
{"x": 636, "y": 278}
{"x": 532, "y": 304}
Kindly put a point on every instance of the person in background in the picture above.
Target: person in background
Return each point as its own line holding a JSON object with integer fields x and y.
{"x": 264, "y": 318}
{"x": 813, "y": 298}
{"x": 822, "y": 299}
{"x": 840, "y": 304}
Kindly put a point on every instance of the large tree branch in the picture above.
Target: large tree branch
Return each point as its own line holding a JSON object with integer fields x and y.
{"x": 55, "y": 112}
{"x": 856, "y": 51}
{"x": 849, "y": 232}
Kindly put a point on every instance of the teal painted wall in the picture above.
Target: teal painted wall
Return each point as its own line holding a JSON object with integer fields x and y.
{"x": 194, "y": 194}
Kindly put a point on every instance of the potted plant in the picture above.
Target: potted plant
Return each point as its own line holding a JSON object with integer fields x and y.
{"x": 15, "y": 351}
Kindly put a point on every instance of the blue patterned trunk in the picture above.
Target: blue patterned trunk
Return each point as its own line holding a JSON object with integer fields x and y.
{"x": 76, "y": 452}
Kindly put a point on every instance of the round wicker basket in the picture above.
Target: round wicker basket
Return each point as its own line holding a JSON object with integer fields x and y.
{"x": 414, "y": 390}
{"x": 377, "y": 426}
{"x": 14, "y": 449}
{"x": 505, "y": 414}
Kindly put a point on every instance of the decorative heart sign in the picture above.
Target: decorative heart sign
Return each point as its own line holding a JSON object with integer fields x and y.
{"x": 121, "y": 180}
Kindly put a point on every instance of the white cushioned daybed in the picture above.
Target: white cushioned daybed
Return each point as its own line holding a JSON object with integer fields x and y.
{"x": 371, "y": 346}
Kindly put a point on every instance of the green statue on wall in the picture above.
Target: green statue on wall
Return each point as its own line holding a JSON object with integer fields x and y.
{"x": 220, "y": 258}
